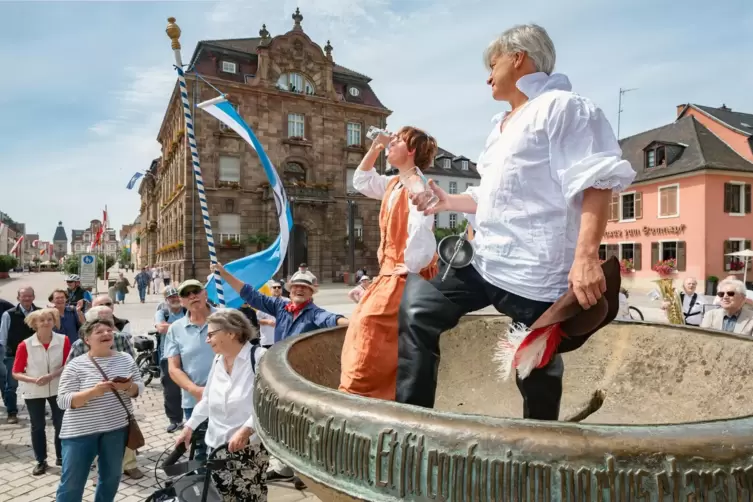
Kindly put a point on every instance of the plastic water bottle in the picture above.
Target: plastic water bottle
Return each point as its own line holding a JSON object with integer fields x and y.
{"x": 374, "y": 131}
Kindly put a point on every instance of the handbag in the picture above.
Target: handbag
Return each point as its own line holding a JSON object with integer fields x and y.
{"x": 135, "y": 438}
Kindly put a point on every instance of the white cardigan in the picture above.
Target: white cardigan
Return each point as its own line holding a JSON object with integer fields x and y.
{"x": 42, "y": 362}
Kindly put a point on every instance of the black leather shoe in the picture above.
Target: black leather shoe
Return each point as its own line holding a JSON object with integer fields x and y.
{"x": 39, "y": 469}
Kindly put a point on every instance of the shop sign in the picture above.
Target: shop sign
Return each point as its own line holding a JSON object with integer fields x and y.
{"x": 646, "y": 231}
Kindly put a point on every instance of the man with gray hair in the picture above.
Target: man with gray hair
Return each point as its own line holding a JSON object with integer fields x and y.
{"x": 732, "y": 317}
{"x": 548, "y": 172}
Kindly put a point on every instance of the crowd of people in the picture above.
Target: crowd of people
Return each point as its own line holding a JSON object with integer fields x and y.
{"x": 548, "y": 171}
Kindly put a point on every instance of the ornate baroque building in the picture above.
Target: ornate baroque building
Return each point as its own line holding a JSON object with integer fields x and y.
{"x": 310, "y": 114}
{"x": 82, "y": 239}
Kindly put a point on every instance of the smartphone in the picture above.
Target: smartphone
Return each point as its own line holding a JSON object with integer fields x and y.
{"x": 121, "y": 379}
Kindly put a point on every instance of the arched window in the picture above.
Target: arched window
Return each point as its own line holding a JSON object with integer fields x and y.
{"x": 294, "y": 173}
{"x": 295, "y": 82}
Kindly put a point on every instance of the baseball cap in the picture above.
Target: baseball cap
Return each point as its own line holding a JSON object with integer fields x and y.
{"x": 188, "y": 284}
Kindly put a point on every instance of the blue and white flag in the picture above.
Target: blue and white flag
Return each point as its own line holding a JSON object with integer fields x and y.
{"x": 133, "y": 181}
{"x": 258, "y": 268}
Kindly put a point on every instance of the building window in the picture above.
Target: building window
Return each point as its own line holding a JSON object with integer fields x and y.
{"x": 735, "y": 263}
{"x": 630, "y": 251}
{"x": 453, "y": 187}
{"x": 78, "y": 247}
{"x": 296, "y": 128}
{"x": 295, "y": 82}
{"x": 294, "y": 173}
{"x": 229, "y": 67}
{"x": 603, "y": 252}
{"x": 446, "y": 163}
{"x": 667, "y": 251}
{"x": 354, "y": 134}
{"x": 669, "y": 201}
{"x": 656, "y": 156}
{"x": 627, "y": 206}
{"x": 229, "y": 206}
{"x": 230, "y": 169}
{"x": 223, "y": 127}
{"x": 436, "y": 220}
{"x": 453, "y": 220}
{"x": 737, "y": 198}
{"x": 464, "y": 165}
{"x": 229, "y": 228}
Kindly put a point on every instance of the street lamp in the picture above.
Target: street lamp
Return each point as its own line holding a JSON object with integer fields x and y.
{"x": 352, "y": 208}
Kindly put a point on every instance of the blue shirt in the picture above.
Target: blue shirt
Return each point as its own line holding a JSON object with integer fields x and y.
{"x": 310, "y": 318}
{"x": 729, "y": 322}
{"x": 69, "y": 324}
{"x": 189, "y": 341}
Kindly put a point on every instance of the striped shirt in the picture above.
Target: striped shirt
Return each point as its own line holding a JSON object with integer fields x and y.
{"x": 100, "y": 414}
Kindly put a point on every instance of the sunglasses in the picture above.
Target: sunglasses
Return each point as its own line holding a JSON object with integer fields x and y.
{"x": 721, "y": 294}
{"x": 188, "y": 292}
{"x": 107, "y": 304}
{"x": 275, "y": 287}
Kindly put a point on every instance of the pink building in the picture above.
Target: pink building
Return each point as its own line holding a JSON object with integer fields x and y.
{"x": 690, "y": 204}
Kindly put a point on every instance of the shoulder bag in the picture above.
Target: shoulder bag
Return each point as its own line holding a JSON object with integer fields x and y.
{"x": 135, "y": 438}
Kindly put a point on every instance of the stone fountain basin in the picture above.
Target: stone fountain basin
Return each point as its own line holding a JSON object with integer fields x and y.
{"x": 649, "y": 412}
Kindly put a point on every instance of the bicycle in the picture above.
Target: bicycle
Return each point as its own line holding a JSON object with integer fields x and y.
{"x": 191, "y": 481}
{"x": 635, "y": 313}
{"x": 146, "y": 360}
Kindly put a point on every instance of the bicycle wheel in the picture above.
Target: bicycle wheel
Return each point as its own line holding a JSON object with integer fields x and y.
{"x": 143, "y": 363}
{"x": 635, "y": 314}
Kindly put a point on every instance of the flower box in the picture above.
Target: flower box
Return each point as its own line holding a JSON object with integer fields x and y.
{"x": 665, "y": 267}
{"x": 627, "y": 266}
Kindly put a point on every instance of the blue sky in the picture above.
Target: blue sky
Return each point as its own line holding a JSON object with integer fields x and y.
{"x": 85, "y": 84}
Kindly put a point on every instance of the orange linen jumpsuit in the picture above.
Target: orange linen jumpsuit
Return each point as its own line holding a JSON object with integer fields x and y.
{"x": 369, "y": 355}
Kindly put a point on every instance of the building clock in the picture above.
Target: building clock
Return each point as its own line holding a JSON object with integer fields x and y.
{"x": 354, "y": 91}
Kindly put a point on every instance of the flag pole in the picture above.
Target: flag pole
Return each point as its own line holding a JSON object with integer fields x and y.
{"x": 104, "y": 251}
{"x": 173, "y": 31}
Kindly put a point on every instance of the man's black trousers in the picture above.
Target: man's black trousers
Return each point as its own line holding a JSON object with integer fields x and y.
{"x": 429, "y": 308}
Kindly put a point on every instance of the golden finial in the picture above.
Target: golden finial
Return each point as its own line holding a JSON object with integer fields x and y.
{"x": 173, "y": 31}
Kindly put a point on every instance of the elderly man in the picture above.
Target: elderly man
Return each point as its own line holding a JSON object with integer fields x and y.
{"x": 102, "y": 309}
{"x": 168, "y": 312}
{"x": 732, "y": 317}
{"x": 292, "y": 317}
{"x": 692, "y": 302}
{"x": 299, "y": 315}
{"x": 189, "y": 356}
{"x": 76, "y": 293}
{"x": 13, "y": 331}
{"x": 548, "y": 172}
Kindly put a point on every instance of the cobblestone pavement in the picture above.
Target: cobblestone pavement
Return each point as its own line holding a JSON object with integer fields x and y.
{"x": 16, "y": 457}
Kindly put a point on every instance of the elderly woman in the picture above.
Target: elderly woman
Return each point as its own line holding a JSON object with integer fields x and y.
{"x": 96, "y": 390}
{"x": 228, "y": 403}
{"x": 37, "y": 367}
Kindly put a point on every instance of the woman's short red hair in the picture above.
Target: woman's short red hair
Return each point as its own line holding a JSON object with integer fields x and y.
{"x": 419, "y": 142}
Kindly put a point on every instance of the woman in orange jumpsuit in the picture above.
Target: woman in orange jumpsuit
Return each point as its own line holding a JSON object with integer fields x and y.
{"x": 369, "y": 355}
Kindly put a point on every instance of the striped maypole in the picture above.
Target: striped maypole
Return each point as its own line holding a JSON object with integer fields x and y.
{"x": 173, "y": 31}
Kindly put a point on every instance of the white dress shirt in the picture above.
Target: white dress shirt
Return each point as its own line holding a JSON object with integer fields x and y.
{"x": 693, "y": 316}
{"x": 533, "y": 174}
{"x": 266, "y": 332}
{"x": 421, "y": 244}
{"x": 228, "y": 400}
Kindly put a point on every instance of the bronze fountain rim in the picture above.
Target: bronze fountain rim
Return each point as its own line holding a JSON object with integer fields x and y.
{"x": 284, "y": 380}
